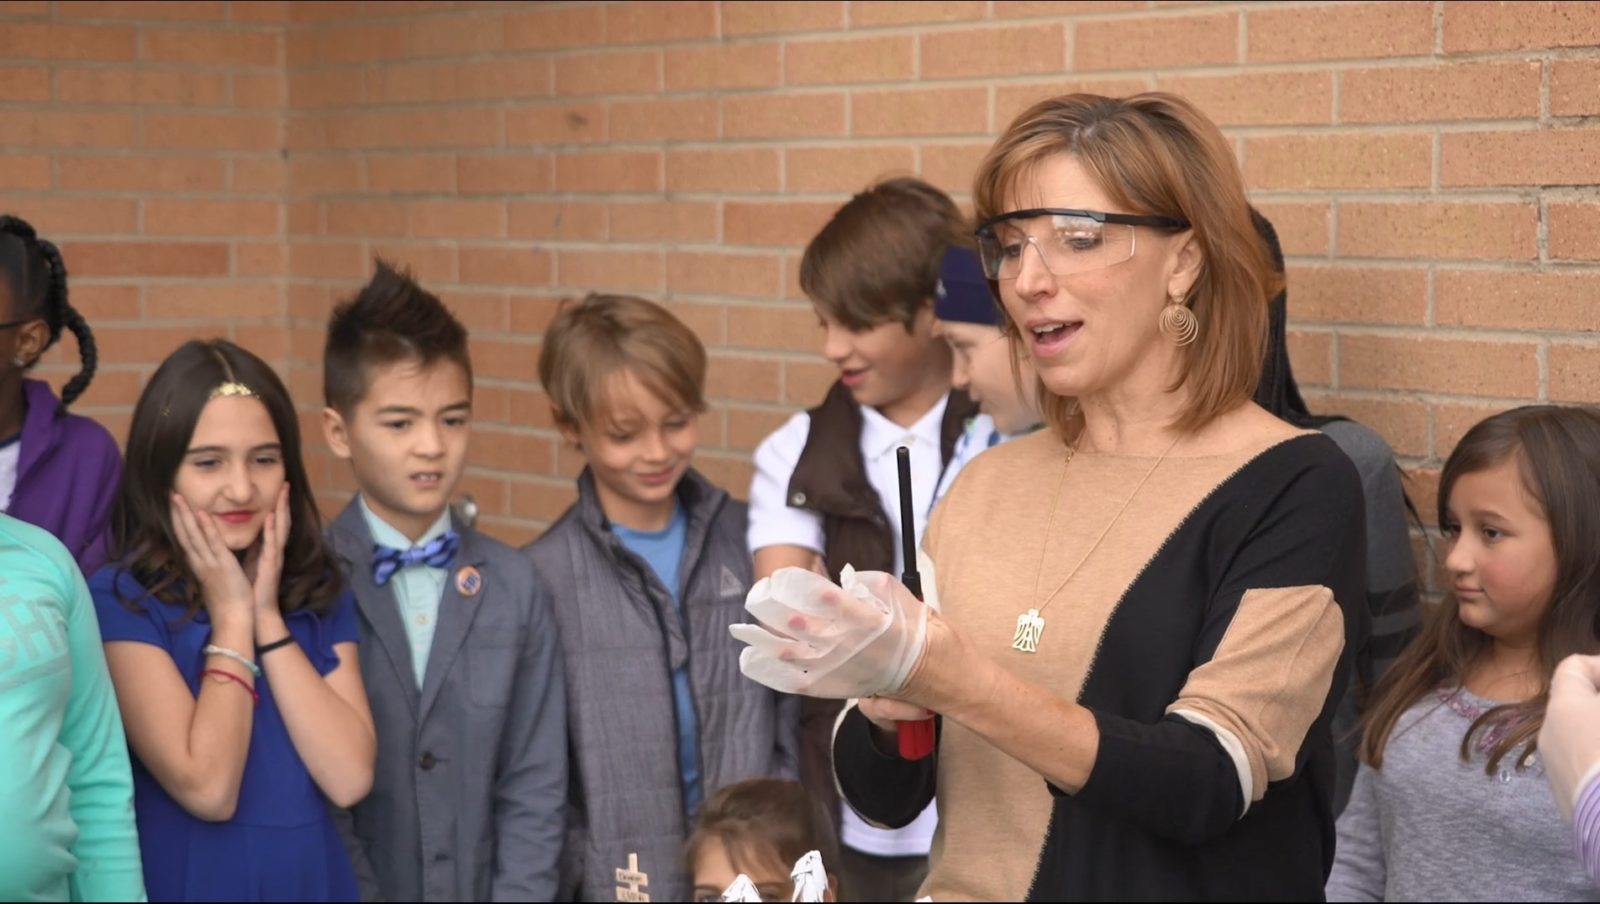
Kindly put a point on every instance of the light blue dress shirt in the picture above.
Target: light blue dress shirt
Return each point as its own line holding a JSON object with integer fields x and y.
{"x": 418, "y": 589}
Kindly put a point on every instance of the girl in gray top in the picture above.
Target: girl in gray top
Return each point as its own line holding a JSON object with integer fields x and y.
{"x": 1450, "y": 802}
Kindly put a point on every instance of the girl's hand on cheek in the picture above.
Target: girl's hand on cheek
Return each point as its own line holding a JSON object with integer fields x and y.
{"x": 223, "y": 586}
{"x": 269, "y": 561}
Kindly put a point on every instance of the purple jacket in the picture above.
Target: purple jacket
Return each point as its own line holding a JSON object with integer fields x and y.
{"x": 67, "y": 474}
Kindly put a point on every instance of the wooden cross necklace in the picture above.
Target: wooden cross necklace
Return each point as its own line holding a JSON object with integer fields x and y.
{"x": 1030, "y": 624}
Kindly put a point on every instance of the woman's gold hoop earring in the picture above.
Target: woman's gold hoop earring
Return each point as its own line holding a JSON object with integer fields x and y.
{"x": 1179, "y": 323}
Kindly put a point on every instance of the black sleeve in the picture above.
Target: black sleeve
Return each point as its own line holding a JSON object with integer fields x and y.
{"x": 1272, "y": 656}
{"x": 881, "y": 787}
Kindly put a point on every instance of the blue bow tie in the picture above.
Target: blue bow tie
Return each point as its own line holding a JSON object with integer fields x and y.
{"x": 437, "y": 553}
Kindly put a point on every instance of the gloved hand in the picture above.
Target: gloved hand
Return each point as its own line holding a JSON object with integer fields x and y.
{"x": 822, "y": 640}
{"x": 1569, "y": 742}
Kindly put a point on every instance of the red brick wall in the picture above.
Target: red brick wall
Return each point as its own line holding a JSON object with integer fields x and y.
{"x": 146, "y": 139}
{"x": 231, "y": 167}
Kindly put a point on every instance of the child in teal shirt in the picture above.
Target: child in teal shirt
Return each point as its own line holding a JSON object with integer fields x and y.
{"x": 66, "y": 790}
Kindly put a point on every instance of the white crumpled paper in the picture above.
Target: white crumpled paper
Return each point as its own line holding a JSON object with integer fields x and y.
{"x": 810, "y": 880}
{"x": 809, "y": 877}
{"x": 742, "y": 889}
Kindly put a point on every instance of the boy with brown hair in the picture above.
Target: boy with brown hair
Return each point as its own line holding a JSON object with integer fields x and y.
{"x": 647, "y": 570}
{"x": 825, "y": 491}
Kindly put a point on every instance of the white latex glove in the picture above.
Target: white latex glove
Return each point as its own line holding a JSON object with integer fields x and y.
{"x": 1569, "y": 742}
{"x": 823, "y": 640}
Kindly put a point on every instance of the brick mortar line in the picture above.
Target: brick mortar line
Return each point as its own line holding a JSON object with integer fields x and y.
{"x": 741, "y": 142}
{"x": 1414, "y": 61}
{"x": 1542, "y": 356}
{"x": 291, "y": 29}
{"x": 1413, "y": 396}
{"x": 1448, "y": 332}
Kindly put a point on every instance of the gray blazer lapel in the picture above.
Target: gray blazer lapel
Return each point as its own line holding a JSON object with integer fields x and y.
{"x": 456, "y": 612}
{"x": 352, "y": 543}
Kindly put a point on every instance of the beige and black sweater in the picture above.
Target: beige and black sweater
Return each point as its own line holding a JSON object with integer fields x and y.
{"x": 1206, "y": 633}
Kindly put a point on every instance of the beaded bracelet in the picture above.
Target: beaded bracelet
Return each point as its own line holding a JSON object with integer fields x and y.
{"x": 236, "y": 679}
{"x": 212, "y": 649}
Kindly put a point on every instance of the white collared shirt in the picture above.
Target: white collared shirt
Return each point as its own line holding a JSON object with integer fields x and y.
{"x": 773, "y": 522}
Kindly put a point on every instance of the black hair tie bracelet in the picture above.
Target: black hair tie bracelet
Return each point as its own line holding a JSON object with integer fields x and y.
{"x": 268, "y": 648}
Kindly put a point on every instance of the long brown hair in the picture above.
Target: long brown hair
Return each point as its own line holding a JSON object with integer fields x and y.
{"x": 163, "y": 425}
{"x": 1557, "y": 451}
{"x": 1155, "y": 154}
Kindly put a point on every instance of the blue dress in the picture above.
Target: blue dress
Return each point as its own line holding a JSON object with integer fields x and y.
{"x": 281, "y": 844}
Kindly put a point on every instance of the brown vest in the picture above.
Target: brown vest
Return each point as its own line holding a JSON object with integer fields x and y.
{"x": 831, "y": 479}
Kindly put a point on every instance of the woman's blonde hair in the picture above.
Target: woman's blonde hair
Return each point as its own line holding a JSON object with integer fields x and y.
{"x": 1156, "y": 154}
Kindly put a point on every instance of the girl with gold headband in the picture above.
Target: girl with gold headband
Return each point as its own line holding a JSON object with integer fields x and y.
{"x": 231, "y": 642}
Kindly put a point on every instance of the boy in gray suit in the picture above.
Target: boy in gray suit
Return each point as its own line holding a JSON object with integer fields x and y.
{"x": 462, "y": 661}
{"x": 646, "y": 571}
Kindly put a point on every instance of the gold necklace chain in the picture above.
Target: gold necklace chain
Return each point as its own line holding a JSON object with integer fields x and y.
{"x": 1030, "y": 624}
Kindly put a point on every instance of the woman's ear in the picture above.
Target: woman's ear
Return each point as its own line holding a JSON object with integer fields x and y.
{"x": 833, "y": 888}
{"x": 1188, "y": 260}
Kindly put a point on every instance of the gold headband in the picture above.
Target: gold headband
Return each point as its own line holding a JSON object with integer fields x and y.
{"x": 232, "y": 388}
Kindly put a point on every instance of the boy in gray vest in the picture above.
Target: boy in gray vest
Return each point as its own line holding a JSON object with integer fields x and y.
{"x": 647, "y": 570}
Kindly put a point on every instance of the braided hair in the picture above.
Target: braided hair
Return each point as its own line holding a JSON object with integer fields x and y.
{"x": 37, "y": 277}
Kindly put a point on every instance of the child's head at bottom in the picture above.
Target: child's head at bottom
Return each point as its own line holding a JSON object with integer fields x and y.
{"x": 626, "y": 382}
{"x": 759, "y": 828}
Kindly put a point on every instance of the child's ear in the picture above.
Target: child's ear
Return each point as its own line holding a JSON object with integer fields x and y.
{"x": 31, "y": 340}
{"x": 569, "y": 430}
{"x": 334, "y": 432}
{"x": 833, "y": 888}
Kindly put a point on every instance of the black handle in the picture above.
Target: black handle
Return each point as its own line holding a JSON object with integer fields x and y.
{"x": 908, "y": 525}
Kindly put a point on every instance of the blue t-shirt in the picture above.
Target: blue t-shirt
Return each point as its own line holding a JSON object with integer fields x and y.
{"x": 663, "y": 551}
{"x": 281, "y": 844}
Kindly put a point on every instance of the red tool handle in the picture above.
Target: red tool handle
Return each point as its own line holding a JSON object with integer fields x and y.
{"x": 916, "y": 739}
